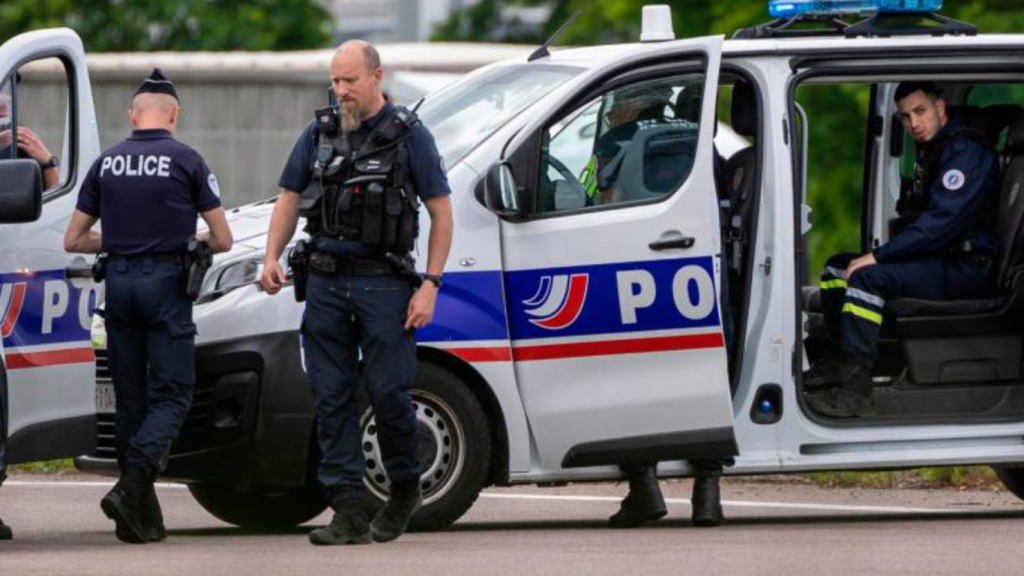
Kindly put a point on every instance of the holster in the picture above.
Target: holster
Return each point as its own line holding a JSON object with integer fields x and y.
{"x": 404, "y": 266}
{"x": 198, "y": 259}
{"x": 99, "y": 268}
{"x": 298, "y": 261}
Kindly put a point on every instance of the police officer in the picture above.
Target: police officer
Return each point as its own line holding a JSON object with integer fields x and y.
{"x": 29, "y": 145}
{"x": 148, "y": 191}
{"x": 944, "y": 251}
{"x": 357, "y": 181}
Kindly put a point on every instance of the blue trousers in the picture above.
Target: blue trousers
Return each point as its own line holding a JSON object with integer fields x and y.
{"x": 346, "y": 315}
{"x": 151, "y": 340}
{"x": 853, "y": 307}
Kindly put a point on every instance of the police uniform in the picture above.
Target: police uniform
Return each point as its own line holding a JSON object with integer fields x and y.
{"x": 944, "y": 253}
{"x": 356, "y": 302}
{"x": 148, "y": 192}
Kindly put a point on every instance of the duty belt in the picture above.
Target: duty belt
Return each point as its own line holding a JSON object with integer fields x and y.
{"x": 330, "y": 264}
{"x": 159, "y": 258}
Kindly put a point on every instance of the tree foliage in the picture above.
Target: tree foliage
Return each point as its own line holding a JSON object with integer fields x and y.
{"x": 129, "y": 26}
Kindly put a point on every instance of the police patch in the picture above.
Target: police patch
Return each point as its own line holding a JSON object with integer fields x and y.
{"x": 953, "y": 180}
{"x": 214, "y": 186}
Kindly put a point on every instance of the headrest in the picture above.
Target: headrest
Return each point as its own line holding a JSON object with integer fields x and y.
{"x": 1016, "y": 136}
{"x": 688, "y": 105}
{"x": 989, "y": 121}
{"x": 744, "y": 109}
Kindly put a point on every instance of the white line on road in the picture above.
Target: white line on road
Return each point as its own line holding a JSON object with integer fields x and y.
{"x": 570, "y": 498}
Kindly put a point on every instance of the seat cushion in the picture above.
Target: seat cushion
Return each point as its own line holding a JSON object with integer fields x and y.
{"x": 913, "y": 307}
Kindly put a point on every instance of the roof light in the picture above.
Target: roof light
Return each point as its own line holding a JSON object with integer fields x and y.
{"x": 793, "y": 8}
{"x": 657, "y": 24}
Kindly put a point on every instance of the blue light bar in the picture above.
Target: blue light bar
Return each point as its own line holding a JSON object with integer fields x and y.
{"x": 791, "y": 8}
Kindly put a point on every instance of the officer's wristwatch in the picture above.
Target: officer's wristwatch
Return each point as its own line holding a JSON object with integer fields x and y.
{"x": 53, "y": 162}
{"x": 435, "y": 278}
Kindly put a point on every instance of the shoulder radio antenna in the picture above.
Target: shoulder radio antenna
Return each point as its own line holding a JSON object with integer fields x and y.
{"x": 543, "y": 50}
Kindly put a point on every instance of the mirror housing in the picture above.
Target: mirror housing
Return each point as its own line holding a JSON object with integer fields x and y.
{"x": 501, "y": 194}
{"x": 21, "y": 191}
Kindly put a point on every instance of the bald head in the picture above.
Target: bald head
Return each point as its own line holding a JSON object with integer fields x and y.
{"x": 360, "y": 48}
{"x": 151, "y": 110}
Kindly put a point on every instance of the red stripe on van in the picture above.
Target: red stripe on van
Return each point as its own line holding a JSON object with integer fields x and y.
{"x": 49, "y": 358}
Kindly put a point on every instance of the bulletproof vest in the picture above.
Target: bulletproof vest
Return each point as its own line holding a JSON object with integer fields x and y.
{"x": 361, "y": 188}
{"x": 927, "y": 172}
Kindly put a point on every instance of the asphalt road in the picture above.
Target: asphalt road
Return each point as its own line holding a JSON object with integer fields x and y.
{"x": 786, "y": 529}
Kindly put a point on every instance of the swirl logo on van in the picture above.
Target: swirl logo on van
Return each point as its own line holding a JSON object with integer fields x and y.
{"x": 558, "y": 301}
{"x": 12, "y": 298}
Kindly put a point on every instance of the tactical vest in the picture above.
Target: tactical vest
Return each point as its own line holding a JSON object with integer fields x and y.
{"x": 926, "y": 173}
{"x": 361, "y": 188}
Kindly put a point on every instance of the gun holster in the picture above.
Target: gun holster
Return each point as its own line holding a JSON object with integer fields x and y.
{"x": 198, "y": 259}
{"x": 99, "y": 268}
{"x": 404, "y": 266}
{"x": 298, "y": 261}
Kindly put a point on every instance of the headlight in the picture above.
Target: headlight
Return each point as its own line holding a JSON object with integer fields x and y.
{"x": 223, "y": 279}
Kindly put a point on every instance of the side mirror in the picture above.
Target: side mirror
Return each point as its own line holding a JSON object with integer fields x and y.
{"x": 501, "y": 195}
{"x": 21, "y": 191}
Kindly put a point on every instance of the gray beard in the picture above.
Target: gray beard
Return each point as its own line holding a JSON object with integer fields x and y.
{"x": 350, "y": 118}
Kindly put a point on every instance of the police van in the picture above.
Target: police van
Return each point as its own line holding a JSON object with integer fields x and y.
{"x": 605, "y": 302}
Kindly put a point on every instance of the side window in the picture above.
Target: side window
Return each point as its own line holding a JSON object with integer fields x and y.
{"x": 631, "y": 144}
{"x": 35, "y": 118}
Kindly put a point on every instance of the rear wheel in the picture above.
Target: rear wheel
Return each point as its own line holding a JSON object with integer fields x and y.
{"x": 454, "y": 453}
{"x": 264, "y": 511}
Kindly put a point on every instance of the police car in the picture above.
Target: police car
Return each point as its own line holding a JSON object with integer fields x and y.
{"x": 582, "y": 321}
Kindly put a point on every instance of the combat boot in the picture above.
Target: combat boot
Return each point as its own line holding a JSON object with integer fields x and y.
{"x": 350, "y": 525}
{"x": 152, "y": 516}
{"x": 123, "y": 504}
{"x": 392, "y": 520}
{"x": 644, "y": 503}
{"x": 5, "y": 531}
{"x": 706, "y": 502}
{"x": 852, "y": 398}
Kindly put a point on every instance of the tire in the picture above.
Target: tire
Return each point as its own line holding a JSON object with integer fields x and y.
{"x": 1013, "y": 479}
{"x": 273, "y": 511}
{"x": 455, "y": 449}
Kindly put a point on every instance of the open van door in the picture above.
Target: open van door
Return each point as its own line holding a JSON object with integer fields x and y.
{"x": 610, "y": 247}
{"x": 48, "y": 385}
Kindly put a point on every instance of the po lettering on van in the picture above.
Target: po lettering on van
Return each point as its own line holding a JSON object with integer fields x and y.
{"x": 693, "y": 292}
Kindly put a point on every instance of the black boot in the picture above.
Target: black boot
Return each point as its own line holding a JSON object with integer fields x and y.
{"x": 852, "y": 398}
{"x": 644, "y": 503}
{"x": 392, "y": 520}
{"x": 822, "y": 375}
{"x": 5, "y": 531}
{"x": 706, "y": 502}
{"x": 350, "y": 525}
{"x": 152, "y": 516}
{"x": 123, "y": 504}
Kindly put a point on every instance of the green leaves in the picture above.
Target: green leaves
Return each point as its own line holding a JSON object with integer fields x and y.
{"x": 123, "y": 26}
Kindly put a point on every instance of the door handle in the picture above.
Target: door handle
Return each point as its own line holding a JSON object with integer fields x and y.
{"x": 677, "y": 243}
{"x": 71, "y": 272}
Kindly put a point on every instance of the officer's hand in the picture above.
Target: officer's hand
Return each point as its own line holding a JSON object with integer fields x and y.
{"x": 858, "y": 263}
{"x": 33, "y": 145}
{"x": 421, "y": 306}
{"x": 273, "y": 277}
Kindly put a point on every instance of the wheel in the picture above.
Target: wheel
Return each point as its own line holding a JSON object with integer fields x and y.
{"x": 455, "y": 449}
{"x": 1013, "y": 479}
{"x": 269, "y": 511}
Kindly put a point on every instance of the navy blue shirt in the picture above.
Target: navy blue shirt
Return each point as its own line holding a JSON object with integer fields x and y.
{"x": 148, "y": 191}
{"x": 966, "y": 178}
{"x": 426, "y": 168}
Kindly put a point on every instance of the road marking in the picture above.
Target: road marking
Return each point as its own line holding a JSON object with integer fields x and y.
{"x": 569, "y": 498}
{"x": 734, "y": 503}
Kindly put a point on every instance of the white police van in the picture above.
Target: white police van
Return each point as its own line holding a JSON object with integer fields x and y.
{"x": 582, "y": 321}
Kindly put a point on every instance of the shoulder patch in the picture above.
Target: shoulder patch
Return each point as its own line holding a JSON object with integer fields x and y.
{"x": 214, "y": 185}
{"x": 953, "y": 180}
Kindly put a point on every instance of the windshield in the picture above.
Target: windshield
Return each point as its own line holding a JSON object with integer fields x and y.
{"x": 467, "y": 113}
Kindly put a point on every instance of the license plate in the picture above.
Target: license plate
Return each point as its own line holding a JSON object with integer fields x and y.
{"x": 106, "y": 400}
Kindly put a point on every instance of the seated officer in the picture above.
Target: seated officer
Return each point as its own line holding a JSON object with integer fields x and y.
{"x": 945, "y": 251}
{"x": 30, "y": 145}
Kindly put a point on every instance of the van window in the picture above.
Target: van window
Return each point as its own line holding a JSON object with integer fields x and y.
{"x": 634, "y": 143}
{"x": 35, "y": 118}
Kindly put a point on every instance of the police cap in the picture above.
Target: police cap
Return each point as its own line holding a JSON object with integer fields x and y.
{"x": 157, "y": 83}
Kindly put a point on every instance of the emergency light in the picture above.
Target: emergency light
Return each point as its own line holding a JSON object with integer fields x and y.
{"x": 793, "y": 8}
